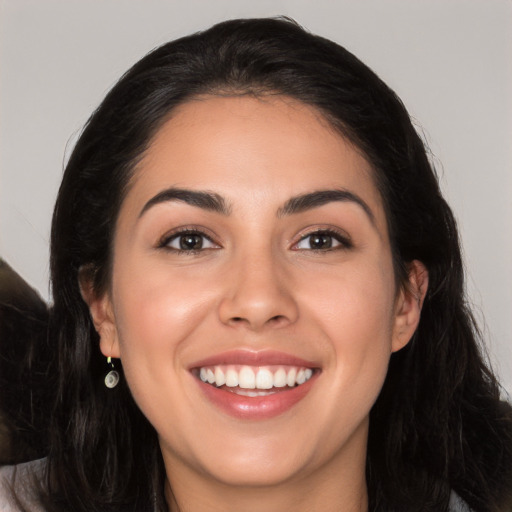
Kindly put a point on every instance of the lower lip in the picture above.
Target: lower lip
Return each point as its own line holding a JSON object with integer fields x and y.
{"x": 258, "y": 407}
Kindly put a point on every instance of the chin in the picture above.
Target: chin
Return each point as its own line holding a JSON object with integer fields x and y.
{"x": 269, "y": 473}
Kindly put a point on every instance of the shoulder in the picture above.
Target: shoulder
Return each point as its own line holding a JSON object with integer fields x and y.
{"x": 17, "y": 486}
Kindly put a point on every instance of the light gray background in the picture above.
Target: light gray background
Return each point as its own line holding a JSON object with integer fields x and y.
{"x": 449, "y": 60}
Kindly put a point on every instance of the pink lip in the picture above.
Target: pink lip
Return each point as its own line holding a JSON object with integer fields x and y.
{"x": 261, "y": 407}
{"x": 252, "y": 358}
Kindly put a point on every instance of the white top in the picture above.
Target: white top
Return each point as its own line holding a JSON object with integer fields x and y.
{"x": 18, "y": 478}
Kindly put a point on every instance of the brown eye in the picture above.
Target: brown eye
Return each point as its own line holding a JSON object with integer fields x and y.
{"x": 323, "y": 241}
{"x": 320, "y": 241}
{"x": 189, "y": 241}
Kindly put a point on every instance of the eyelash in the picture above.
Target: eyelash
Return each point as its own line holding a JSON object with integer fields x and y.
{"x": 182, "y": 232}
{"x": 343, "y": 240}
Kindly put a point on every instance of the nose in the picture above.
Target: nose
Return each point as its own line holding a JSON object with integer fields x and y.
{"x": 258, "y": 295}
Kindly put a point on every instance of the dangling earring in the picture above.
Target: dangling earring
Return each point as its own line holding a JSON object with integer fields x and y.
{"x": 112, "y": 377}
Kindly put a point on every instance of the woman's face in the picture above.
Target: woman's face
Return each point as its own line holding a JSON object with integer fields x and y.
{"x": 252, "y": 248}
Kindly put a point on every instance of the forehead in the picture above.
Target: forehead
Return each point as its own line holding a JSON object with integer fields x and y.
{"x": 267, "y": 148}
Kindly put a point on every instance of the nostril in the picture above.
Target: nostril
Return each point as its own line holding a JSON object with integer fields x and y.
{"x": 273, "y": 320}
{"x": 276, "y": 319}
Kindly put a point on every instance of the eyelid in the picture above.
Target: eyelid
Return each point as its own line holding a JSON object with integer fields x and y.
{"x": 163, "y": 242}
{"x": 338, "y": 234}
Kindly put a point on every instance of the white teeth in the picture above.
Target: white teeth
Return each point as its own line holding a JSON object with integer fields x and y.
{"x": 231, "y": 378}
{"x": 210, "y": 376}
{"x": 220, "y": 378}
{"x": 246, "y": 378}
{"x": 280, "y": 378}
{"x": 249, "y": 377}
{"x": 290, "y": 378}
{"x": 252, "y": 392}
{"x": 264, "y": 379}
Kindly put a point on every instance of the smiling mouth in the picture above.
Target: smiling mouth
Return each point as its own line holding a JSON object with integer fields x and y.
{"x": 254, "y": 381}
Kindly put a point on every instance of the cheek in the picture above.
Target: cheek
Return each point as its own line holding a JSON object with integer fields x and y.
{"x": 157, "y": 313}
{"x": 352, "y": 301}
{"x": 156, "y": 310}
{"x": 355, "y": 311}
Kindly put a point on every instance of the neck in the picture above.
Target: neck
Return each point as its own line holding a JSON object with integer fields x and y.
{"x": 263, "y": 499}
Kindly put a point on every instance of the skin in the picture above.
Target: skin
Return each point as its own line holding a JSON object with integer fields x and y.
{"x": 257, "y": 285}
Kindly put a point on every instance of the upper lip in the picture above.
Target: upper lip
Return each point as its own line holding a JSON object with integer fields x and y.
{"x": 254, "y": 358}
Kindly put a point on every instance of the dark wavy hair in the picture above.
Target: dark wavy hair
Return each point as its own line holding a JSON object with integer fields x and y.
{"x": 438, "y": 425}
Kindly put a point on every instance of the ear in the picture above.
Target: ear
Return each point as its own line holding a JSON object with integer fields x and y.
{"x": 102, "y": 314}
{"x": 409, "y": 303}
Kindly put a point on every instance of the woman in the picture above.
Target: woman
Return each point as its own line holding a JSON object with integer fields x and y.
{"x": 258, "y": 297}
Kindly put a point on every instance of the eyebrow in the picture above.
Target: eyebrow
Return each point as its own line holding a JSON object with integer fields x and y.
{"x": 216, "y": 203}
{"x": 318, "y": 198}
{"x": 202, "y": 199}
